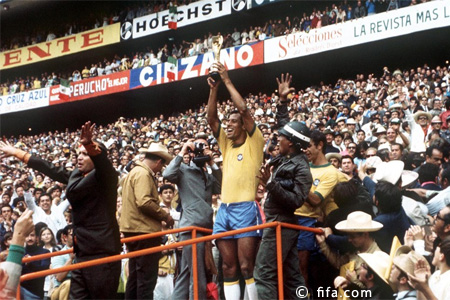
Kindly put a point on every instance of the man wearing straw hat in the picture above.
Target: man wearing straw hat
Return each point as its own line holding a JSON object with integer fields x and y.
{"x": 358, "y": 227}
{"x": 404, "y": 260}
{"x": 141, "y": 213}
{"x": 372, "y": 274}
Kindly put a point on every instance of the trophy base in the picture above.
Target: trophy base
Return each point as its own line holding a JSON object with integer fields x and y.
{"x": 215, "y": 75}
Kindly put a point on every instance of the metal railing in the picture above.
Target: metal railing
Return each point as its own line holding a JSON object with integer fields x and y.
{"x": 193, "y": 241}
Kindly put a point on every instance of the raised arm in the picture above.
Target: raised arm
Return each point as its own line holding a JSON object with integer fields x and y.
{"x": 213, "y": 118}
{"x": 105, "y": 171}
{"x": 55, "y": 173}
{"x": 284, "y": 90}
{"x": 238, "y": 101}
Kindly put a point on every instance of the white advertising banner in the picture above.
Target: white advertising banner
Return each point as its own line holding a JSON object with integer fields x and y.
{"x": 24, "y": 101}
{"x": 187, "y": 14}
{"x": 430, "y": 15}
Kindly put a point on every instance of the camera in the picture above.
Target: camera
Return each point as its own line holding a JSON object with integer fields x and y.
{"x": 199, "y": 157}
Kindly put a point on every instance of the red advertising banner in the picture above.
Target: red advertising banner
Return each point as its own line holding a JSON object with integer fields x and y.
{"x": 93, "y": 87}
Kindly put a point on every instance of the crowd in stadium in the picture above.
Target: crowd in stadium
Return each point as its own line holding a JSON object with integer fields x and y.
{"x": 378, "y": 150}
{"x": 299, "y": 22}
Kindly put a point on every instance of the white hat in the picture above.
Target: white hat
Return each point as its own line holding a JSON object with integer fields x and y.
{"x": 420, "y": 113}
{"x": 158, "y": 149}
{"x": 389, "y": 171}
{"x": 351, "y": 121}
{"x": 378, "y": 261}
{"x": 340, "y": 119}
{"x": 359, "y": 221}
{"x": 396, "y": 106}
{"x": 380, "y": 129}
{"x": 408, "y": 177}
{"x": 373, "y": 162}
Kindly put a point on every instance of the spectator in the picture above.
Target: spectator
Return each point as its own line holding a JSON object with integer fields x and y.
{"x": 141, "y": 213}
{"x": 34, "y": 289}
{"x": 61, "y": 281}
{"x": 10, "y": 270}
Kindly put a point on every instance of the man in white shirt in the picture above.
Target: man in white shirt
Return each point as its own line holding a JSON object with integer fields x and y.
{"x": 53, "y": 216}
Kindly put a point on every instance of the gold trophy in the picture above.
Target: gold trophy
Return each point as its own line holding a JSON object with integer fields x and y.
{"x": 217, "y": 42}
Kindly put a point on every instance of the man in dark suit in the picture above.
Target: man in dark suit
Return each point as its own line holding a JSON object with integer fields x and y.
{"x": 91, "y": 190}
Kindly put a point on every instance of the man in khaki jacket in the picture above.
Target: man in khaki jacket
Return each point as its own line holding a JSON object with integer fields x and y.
{"x": 141, "y": 213}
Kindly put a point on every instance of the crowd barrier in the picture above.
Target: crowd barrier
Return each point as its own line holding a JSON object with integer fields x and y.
{"x": 194, "y": 241}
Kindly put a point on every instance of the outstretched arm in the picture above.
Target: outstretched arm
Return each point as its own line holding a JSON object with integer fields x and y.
{"x": 238, "y": 101}
{"x": 55, "y": 173}
{"x": 213, "y": 119}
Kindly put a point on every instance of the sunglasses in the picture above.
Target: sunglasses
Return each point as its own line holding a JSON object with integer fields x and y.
{"x": 423, "y": 118}
{"x": 351, "y": 147}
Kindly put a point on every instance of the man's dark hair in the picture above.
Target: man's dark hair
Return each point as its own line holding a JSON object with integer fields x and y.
{"x": 428, "y": 172}
{"x": 445, "y": 249}
{"x": 345, "y": 193}
{"x": 446, "y": 174}
{"x": 37, "y": 190}
{"x": 66, "y": 229}
{"x": 235, "y": 111}
{"x": 383, "y": 154}
{"x": 166, "y": 187}
{"x": 55, "y": 187}
{"x": 154, "y": 157}
{"x": 447, "y": 103}
{"x": 317, "y": 137}
{"x": 347, "y": 156}
{"x": 361, "y": 146}
{"x": 6, "y": 205}
{"x": 430, "y": 149}
{"x": 389, "y": 197}
{"x": 43, "y": 195}
{"x": 397, "y": 144}
{"x": 360, "y": 130}
{"x": 58, "y": 236}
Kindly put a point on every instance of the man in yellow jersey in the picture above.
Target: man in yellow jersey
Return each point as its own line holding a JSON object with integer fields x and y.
{"x": 242, "y": 145}
{"x": 319, "y": 202}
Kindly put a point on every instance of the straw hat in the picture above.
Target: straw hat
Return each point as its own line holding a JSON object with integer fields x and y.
{"x": 331, "y": 155}
{"x": 359, "y": 221}
{"x": 405, "y": 258}
{"x": 378, "y": 262}
{"x": 420, "y": 113}
{"x": 158, "y": 149}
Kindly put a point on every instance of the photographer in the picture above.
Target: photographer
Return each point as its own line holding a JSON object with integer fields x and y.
{"x": 196, "y": 185}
